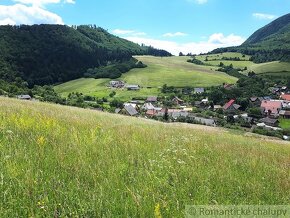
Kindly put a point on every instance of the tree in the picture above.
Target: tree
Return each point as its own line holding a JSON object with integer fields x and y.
{"x": 112, "y": 94}
{"x": 116, "y": 104}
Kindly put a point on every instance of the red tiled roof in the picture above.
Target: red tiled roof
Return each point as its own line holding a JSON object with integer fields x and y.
{"x": 285, "y": 97}
{"x": 230, "y": 103}
{"x": 273, "y": 106}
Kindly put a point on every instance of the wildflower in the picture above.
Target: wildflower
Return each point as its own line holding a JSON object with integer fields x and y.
{"x": 157, "y": 211}
{"x": 40, "y": 140}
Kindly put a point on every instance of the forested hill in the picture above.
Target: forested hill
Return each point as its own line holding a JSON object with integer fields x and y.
{"x": 46, "y": 54}
{"x": 270, "y": 43}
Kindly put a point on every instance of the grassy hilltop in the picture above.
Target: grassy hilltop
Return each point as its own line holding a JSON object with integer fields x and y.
{"x": 63, "y": 161}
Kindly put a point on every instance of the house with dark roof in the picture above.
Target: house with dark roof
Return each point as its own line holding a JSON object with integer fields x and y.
{"x": 152, "y": 99}
{"x": 256, "y": 101}
{"x": 177, "y": 100}
{"x": 270, "y": 122}
{"x": 130, "y": 110}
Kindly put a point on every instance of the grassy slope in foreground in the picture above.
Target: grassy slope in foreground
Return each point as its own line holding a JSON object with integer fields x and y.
{"x": 70, "y": 161}
{"x": 173, "y": 71}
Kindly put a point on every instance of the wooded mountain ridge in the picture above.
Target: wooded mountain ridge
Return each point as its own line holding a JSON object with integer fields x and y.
{"x": 48, "y": 54}
{"x": 270, "y": 43}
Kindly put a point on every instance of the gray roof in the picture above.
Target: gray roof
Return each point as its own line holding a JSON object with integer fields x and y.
{"x": 208, "y": 122}
{"x": 117, "y": 110}
{"x": 148, "y": 106}
{"x": 24, "y": 96}
{"x": 236, "y": 106}
{"x": 152, "y": 99}
{"x": 199, "y": 90}
{"x": 268, "y": 120}
{"x": 132, "y": 86}
{"x": 131, "y": 110}
{"x": 175, "y": 115}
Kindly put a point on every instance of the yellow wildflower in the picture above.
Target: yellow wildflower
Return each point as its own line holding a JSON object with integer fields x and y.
{"x": 157, "y": 211}
{"x": 40, "y": 140}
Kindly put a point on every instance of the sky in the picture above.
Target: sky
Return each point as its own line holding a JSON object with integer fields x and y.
{"x": 188, "y": 26}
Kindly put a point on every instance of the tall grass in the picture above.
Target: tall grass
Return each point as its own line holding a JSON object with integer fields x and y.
{"x": 61, "y": 161}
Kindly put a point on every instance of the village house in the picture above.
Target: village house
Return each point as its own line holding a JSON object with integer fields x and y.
{"x": 256, "y": 101}
{"x": 24, "y": 97}
{"x": 271, "y": 108}
{"x": 285, "y": 97}
{"x": 151, "y": 112}
{"x": 133, "y": 105}
{"x": 177, "y": 100}
{"x": 127, "y": 110}
{"x": 231, "y": 106}
{"x": 148, "y": 106}
{"x": 152, "y": 99}
{"x": 228, "y": 86}
{"x": 204, "y": 121}
{"x": 133, "y": 87}
{"x": 269, "y": 122}
{"x": 177, "y": 114}
{"x": 198, "y": 90}
{"x": 117, "y": 84}
{"x": 217, "y": 107}
{"x": 284, "y": 114}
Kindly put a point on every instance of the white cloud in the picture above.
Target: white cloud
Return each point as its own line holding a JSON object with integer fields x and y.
{"x": 7, "y": 21}
{"x": 174, "y": 34}
{"x": 262, "y": 16}
{"x": 216, "y": 40}
{"x": 30, "y": 12}
{"x": 22, "y": 14}
{"x": 122, "y": 32}
{"x": 128, "y": 32}
{"x": 41, "y": 3}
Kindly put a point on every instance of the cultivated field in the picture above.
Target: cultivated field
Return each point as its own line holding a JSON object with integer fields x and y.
{"x": 61, "y": 161}
{"x": 173, "y": 71}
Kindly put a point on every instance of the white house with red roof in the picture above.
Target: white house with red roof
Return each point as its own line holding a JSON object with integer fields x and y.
{"x": 271, "y": 107}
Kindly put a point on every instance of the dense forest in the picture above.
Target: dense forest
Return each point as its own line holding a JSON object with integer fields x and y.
{"x": 270, "y": 43}
{"x": 48, "y": 54}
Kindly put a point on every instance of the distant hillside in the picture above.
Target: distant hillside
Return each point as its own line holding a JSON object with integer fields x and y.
{"x": 270, "y": 43}
{"x": 46, "y": 54}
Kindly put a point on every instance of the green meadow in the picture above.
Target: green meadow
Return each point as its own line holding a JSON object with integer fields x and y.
{"x": 268, "y": 67}
{"x": 173, "y": 71}
{"x": 59, "y": 161}
{"x": 272, "y": 67}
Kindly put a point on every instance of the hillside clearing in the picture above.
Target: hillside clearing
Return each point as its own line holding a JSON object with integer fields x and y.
{"x": 75, "y": 162}
{"x": 173, "y": 71}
